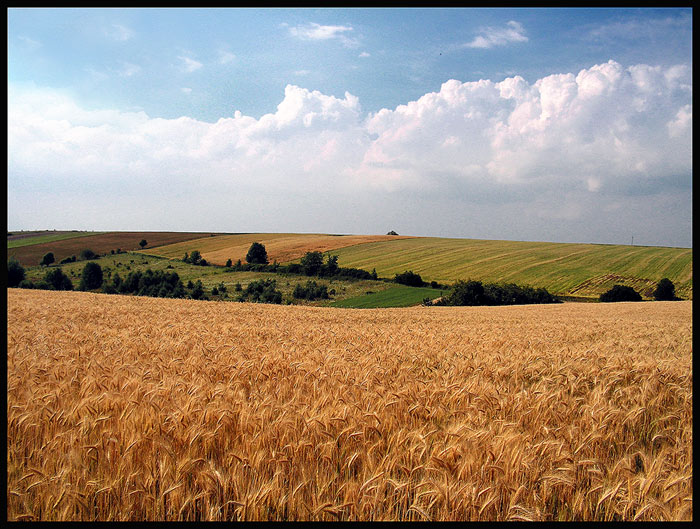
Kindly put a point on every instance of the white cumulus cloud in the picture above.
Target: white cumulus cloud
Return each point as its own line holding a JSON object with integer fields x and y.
{"x": 611, "y": 132}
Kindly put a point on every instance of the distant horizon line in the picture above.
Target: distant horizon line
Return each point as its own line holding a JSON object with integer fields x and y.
{"x": 9, "y": 231}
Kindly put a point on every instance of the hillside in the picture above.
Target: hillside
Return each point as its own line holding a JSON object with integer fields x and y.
{"x": 281, "y": 247}
{"x": 584, "y": 270}
{"x": 577, "y": 270}
{"x": 65, "y": 244}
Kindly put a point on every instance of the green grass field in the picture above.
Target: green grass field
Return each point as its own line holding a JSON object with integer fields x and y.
{"x": 212, "y": 276}
{"x": 51, "y": 237}
{"x": 585, "y": 270}
{"x": 395, "y": 296}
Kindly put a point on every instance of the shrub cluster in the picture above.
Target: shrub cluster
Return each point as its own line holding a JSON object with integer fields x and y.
{"x": 475, "y": 293}
{"x": 261, "y": 291}
{"x": 409, "y": 278}
{"x": 620, "y": 293}
{"x": 149, "y": 283}
{"x": 195, "y": 258}
{"x": 311, "y": 291}
{"x": 311, "y": 265}
{"x": 87, "y": 254}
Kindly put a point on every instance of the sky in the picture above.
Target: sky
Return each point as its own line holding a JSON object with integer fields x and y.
{"x": 533, "y": 124}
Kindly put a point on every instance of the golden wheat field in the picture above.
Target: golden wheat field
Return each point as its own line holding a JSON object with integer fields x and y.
{"x": 130, "y": 408}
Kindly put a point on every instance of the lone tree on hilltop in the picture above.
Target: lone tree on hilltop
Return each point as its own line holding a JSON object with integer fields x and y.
{"x": 15, "y": 272}
{"x": 257, "y": 254}
{"x": 392, "y": 232}
{"x": 143, "y": 243}
{"x": 665, "y": 290}
{"x": 91, "y": 277}
{"x": 47, "y": 259}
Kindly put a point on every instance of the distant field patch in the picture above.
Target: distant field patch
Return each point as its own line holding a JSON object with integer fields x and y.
{"x": 97, "y": 242}
{"x": 19, "y": 239}
{"x": 281, "y": 247}
{"x": 399, "y": 296}
{"x": 566, "y": 269}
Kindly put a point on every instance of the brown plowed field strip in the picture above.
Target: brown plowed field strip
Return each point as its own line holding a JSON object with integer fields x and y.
{"x": 101, "y": 243}
{"x": 133, "y": 408}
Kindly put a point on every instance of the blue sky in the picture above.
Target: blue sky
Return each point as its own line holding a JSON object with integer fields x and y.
{"x": 570, "y": 125}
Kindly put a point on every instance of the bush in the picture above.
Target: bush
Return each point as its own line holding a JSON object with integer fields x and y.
{"x": 91, "y": 278}
{"x": 148, "y": 283}
{"x": 467, "y": 293}
{"x": 70, "y": 259}
{"x": 665, "y": 290}
{"x": 47, "y": 259}
{"x": 311, "y": 291}
{"x": 257, "y": 254}
{"x": 620, "y": 293}
{"x": 473, "y": 293}
{"x": 15, "y": 272}
{"x": 56, "y": 280}
{"x": 229, "y": 263}
{"x": 87, "y": 254}
{"x": 26, "y": 283}
{"x": 197, "y": 291}
{"x": 262, "y": 291}
{"x": 409, "y": 278}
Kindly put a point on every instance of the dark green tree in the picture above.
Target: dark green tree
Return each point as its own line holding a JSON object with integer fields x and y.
{"x": 409, "y": 278}
{"x": 620, "y": 293}
{"x": 332, "y": 265}
{"x": 665, "y": 290}
{"x": 15, "y": 272}
{"x": 143, "y": 243}
{"x": 467, "y": 293}
{"x": 195, "y": 257}
{"x": 47, "y": 259}
{"x": 197, "y": 291}
{"x": 91, "y": 278}
{"x": 56, "y": 280}
{"x": 311, "y": 263}
{"x": 257, "y": 254}
{"x": 87, "y": 254}
{"x": 229, "y": 263}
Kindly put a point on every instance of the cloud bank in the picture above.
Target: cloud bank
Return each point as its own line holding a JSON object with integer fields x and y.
{"x": 588, "y": 156}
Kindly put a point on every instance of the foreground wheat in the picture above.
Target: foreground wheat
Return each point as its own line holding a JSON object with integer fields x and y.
{"x": 125, "y": 408}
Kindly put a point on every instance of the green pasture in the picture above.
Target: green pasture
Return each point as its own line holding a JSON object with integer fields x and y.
{"x": 584, "y": 270}
{"x": 395, "y": 296}
{"x": 39, "y": 239}
{"x": 210, "y": 276}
